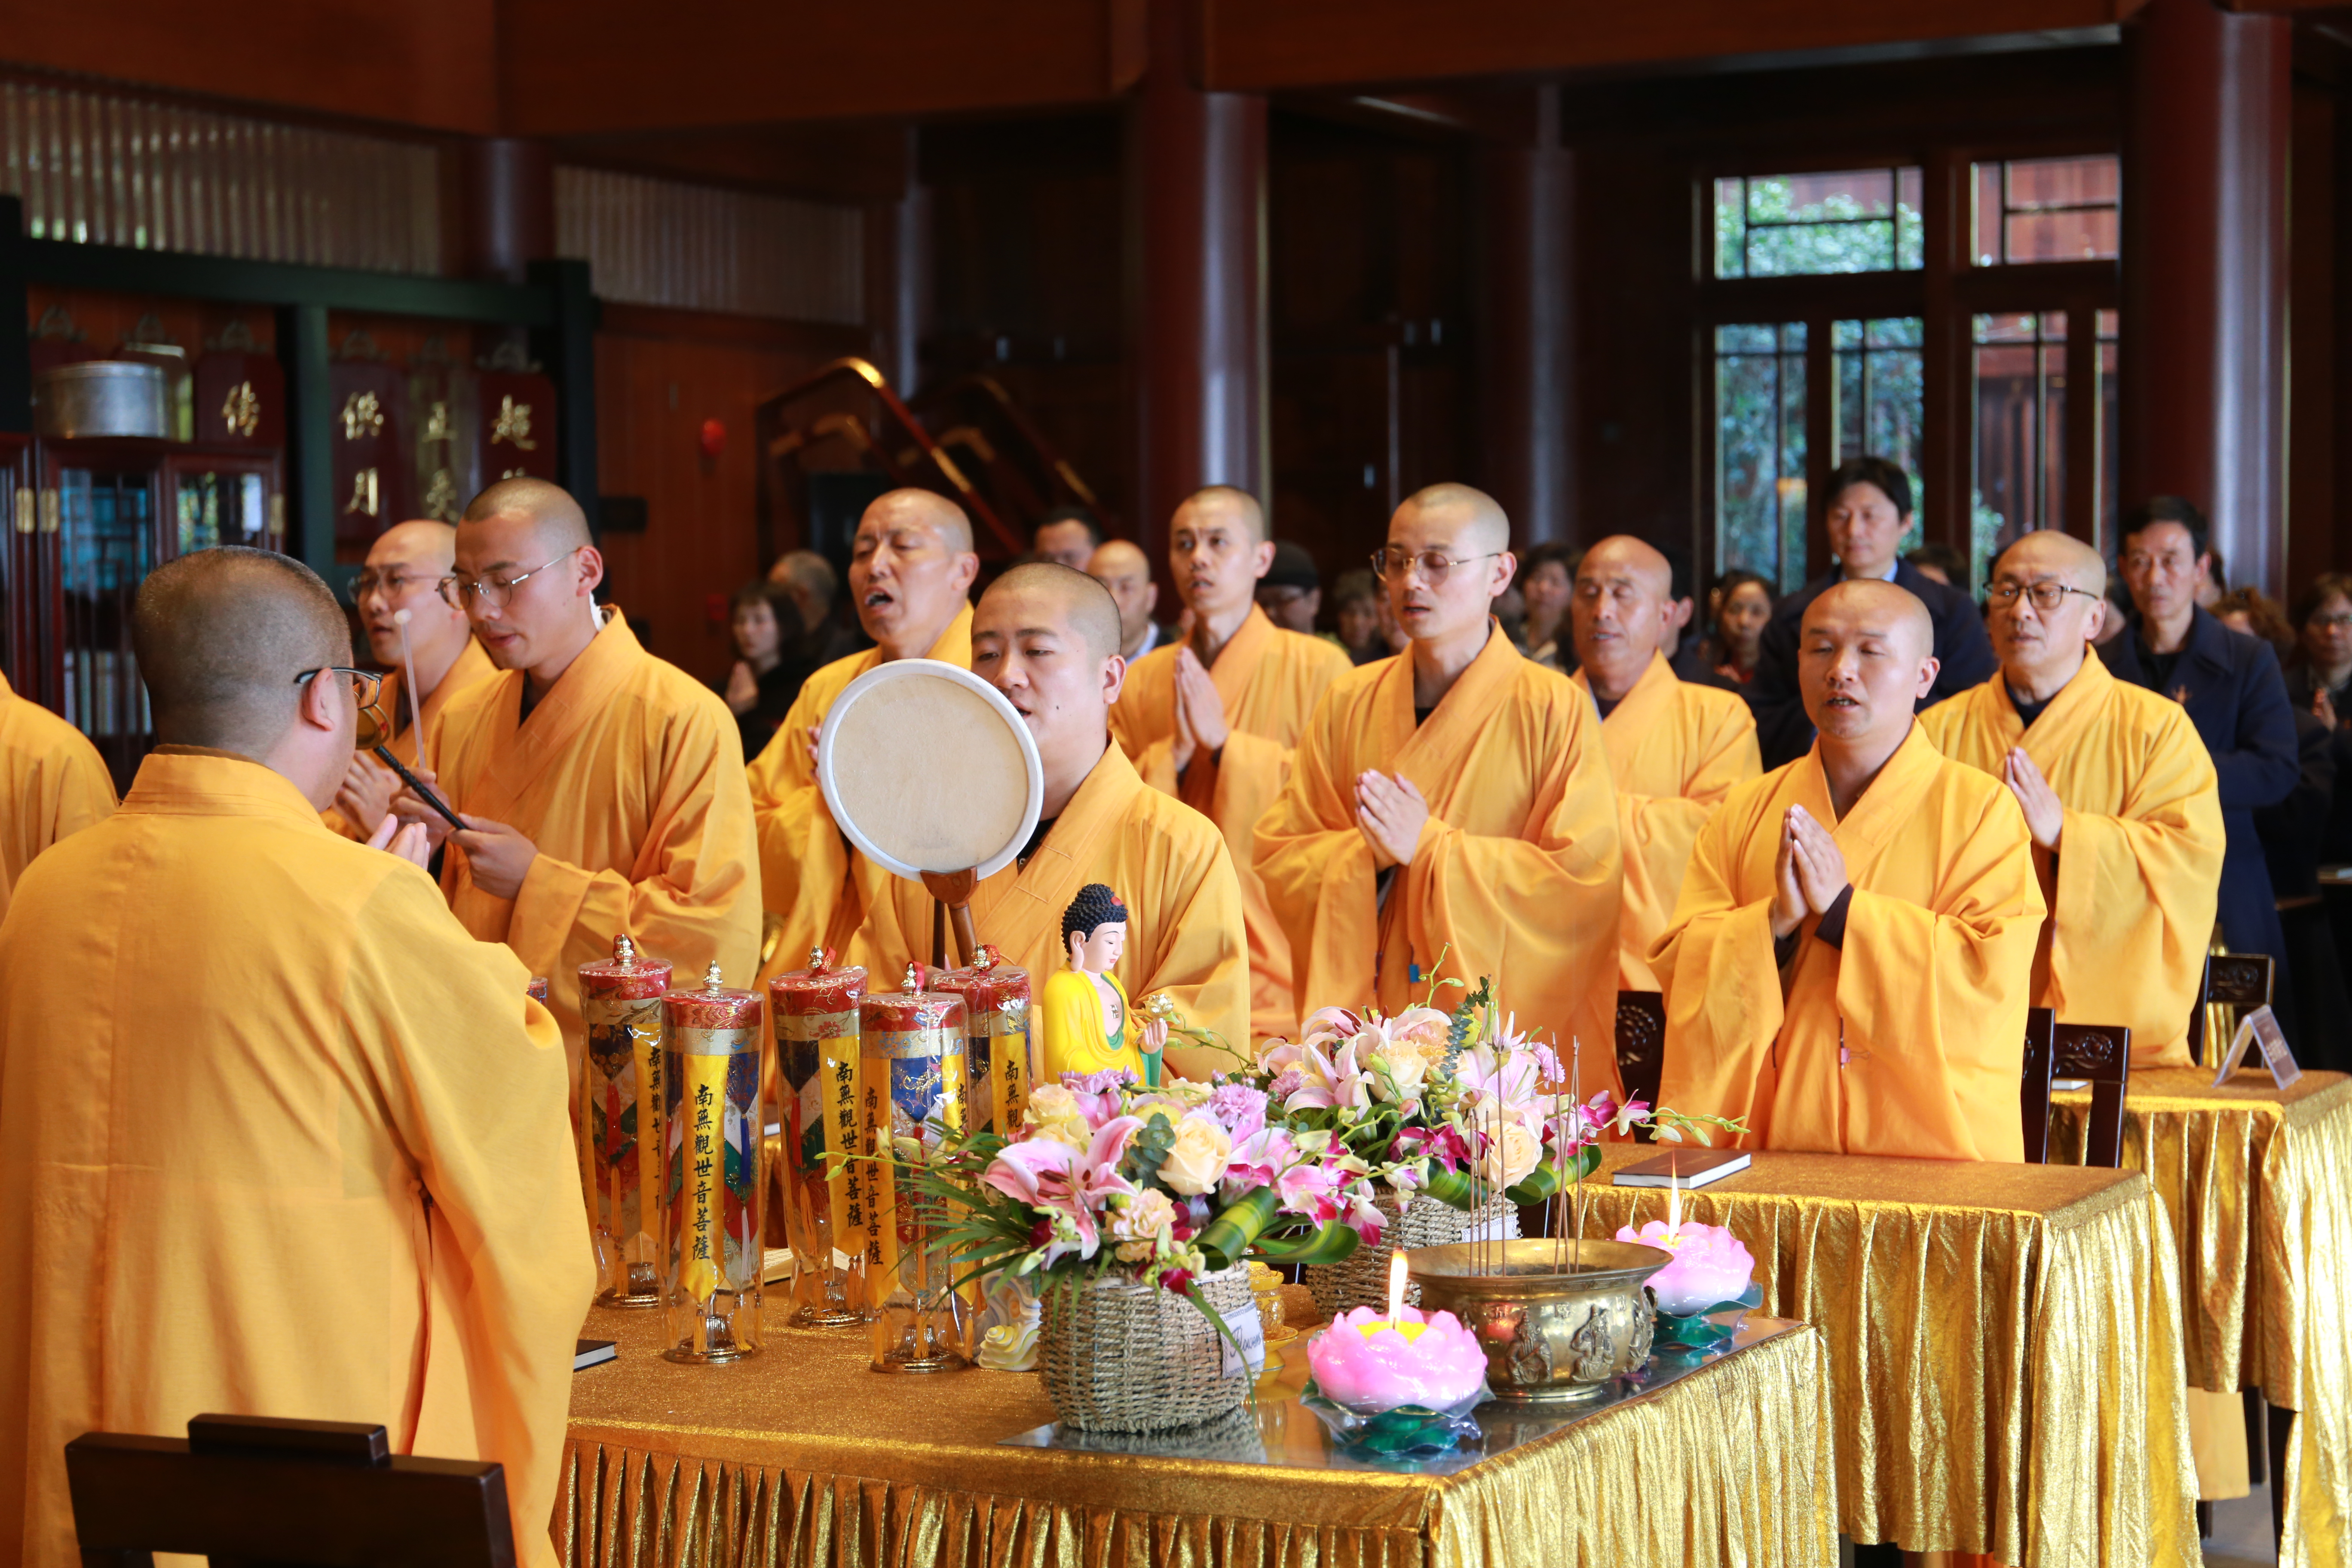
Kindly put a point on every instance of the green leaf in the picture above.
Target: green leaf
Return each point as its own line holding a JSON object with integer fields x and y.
{"x": 1333, "y": 1242}
{"x": 1229, "y": 1236}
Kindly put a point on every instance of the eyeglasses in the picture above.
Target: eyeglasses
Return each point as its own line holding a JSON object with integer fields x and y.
{"x": 495, "y": 592}
{"x": 2335, "y": 623}
{"x": 395, "y": 584}
{"x": 1391, "y": 560}
{"x": 366, "y": 685}
{"x": 2046, "y": 596}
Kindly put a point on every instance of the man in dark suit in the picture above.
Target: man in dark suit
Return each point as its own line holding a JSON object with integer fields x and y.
{"x": 2234, "y": 694}
{"x": 1869, "y": 511}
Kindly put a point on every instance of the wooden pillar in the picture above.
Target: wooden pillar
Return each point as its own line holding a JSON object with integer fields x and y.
{"x": 899, "y": 279}
{"x": 509, "y": 207}
{"x": 2205, "y": 274}
{"x": 1196, "y": 164}
{"x": 1527, "y": 349}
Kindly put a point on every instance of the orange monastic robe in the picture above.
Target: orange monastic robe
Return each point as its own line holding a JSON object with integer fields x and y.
{"x": 1675, "y": 750}
{"x": 1164, "y": 859}
{"x": 2133, "y": 886}
{"x": 52, "y": 783}
{"x": 1270, "y": 680}
{"x": 1516, "y": 874}
{"x": 810, "y": 878}
{"x": 473, "y": 667}
{"x": 279, "y": 1139}
{"x": 1909, "y": 1038}
{"x": 629, "y": 778}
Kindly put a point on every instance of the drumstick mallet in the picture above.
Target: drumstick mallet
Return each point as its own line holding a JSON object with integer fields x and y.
{"x": 423, "y": 793}
{"x": 416, "y": 700}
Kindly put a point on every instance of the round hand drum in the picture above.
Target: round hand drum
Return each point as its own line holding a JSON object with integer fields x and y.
{"x": 928, "y": 768}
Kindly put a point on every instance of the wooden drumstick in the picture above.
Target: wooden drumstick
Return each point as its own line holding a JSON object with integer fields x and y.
{"x": 415, "y": 701}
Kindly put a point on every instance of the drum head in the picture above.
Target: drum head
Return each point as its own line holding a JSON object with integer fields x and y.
{"x": 926, "y": 767}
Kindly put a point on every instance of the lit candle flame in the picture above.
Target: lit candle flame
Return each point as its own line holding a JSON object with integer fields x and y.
{"x": 1396, "y": 1288}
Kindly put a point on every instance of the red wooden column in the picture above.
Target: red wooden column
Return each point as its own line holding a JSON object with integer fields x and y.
{"x": 510, "y": 206}
{"x": 1196, "y": 165}
{"x": 1527, "y": 349}
{"x": 898, "y": 276}
{"x": 2205, "y": 274}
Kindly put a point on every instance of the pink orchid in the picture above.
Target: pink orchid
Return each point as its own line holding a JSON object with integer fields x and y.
{"x": 1257, "y": 1160}
{"x": 1312, "y": 1191}
{"x": 1065, "y": 1182}
{"x": 1332, "y": 1081}
{"x": 1364, "y": 1216}
{"x": 1443, "y": 1144}
{"x": 1338, "y": 1021}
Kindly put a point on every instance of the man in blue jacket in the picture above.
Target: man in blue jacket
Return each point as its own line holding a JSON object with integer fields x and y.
{"x": 1869, "y": 511}
{"x": 2234, "y": 691}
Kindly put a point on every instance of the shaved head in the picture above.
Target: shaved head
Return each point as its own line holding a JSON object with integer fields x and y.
{"x": 1046, "y": 636}
{"x": 1887, "y": 608}
{"x": 1865, "y": 657}
{"x": 1620, "y": 613}
{"x": 1449, "y": 549}
{"x": 1079, "y": 604}
{"x": 2055, "y": 554}
{"x": 424, "y": 543}
{"x": 1233, "y": 502}
{"x": 220, "y": 636}
{"x": 929, "y": 509}
{"x": 1622, "y": 555}
{"x": 2040, "y": 648}
{"x": 1482, "y": 526}
{"x": 556, "y": 518}
{"x": 1116, "y": 555}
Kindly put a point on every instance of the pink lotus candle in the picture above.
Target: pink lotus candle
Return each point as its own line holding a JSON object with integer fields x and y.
{"x": 1711, "y": 1266}
{"x": 1370, "y": 1363}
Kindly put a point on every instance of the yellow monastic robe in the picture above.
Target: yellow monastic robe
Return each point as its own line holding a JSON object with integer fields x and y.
{"x": 629, "y": 778}
{"x": 1164, "y": 860}
{"x": 1069, "y": 1028}
{"x": 473, "y": 667}
{"x": 810, "y": 878}
{"x": 1675, "y": 750}
{"x": 1270, "y": 680}
{"x": 1909, "y": 1039}
{"x": 279, "y": 1139}
{"x": 52, "y": 783}
{"x": 2132, "y": 887}
{"x": 1516, "y": 874}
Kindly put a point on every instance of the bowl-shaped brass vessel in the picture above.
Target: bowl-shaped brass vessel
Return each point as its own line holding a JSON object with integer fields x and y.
{"x": 1552, "y": 1333}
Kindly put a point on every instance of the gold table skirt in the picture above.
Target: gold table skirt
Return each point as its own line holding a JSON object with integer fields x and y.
{"x": 2004, "y": 1345}
{"x": 802, "y": 1458}
{"x": 2258, "y": 1185}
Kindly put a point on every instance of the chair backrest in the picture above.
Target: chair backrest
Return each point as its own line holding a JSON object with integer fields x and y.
{"x": 1641, "y": 1042}
{"x": 2102, "y": 1055}
{"x": 2239, "y": 979}
{"x": 2033, "y": 1093}
{"x": 291, "y": 1494}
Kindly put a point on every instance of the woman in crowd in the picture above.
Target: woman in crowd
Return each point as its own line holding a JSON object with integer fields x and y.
{"x": 1743, "y": 603}
{"x": 1356, "y": 608}
{"x": 769, "y": 663}
{"x": 1547, "y": 579}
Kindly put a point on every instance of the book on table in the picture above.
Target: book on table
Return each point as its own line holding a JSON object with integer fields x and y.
{"x": 1689, "y": 1167}
{"x": 586, "y": 1353}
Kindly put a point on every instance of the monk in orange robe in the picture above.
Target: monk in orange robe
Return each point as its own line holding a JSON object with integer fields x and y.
{"x": 1852, "y": 957}
{"x": 1215, "y": 721}
{"x": 1676, "y": 749}
{"x": 603, "y": 788}
{"x": 405, "y": 567}
{"x": 52, "y": 783}
{"x": 1047, "y": 638}
{"x": 910, "y": 573}
{"x": 1449, "y": 814}
{"x": 278, "y": 1137}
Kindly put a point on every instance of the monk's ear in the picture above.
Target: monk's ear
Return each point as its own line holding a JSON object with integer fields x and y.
{"x": 2096, "y": 622}
{"x": 1929, "y": 668}
{"x": 320, "y": 706}
{"x": 1261, "y": 558}
{"x": 1506, "y": 570}
{"x": 967, "y": 570}
{"x": 589, "y": 562}
{"x": 1114, "y": 674}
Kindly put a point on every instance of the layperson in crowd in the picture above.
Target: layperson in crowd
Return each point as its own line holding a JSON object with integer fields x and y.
{"x": 1676, "y": 749}
{"x": 910, "y": 571}
{"x": 1851, "y": 960}
{"x": 1069, "y": 534}
{"x": 1291, "y": 592}
{"x": 1940, "y": 563}
{"x": 1868, "y": 512}
{"x": 1449, "y": 814}
{"x": 2117, "y": 790}
{"x": 52, "y": 783}
{"x": 406, "y": 568}
{"x": 602, "y": 788}
{"x": 1121, "y": 566}
{"x": 2319, "y": 682}
{"x": 314, "y": 1161}
{"x": 2233, "y": 693}
{"x": 1743, "y": 603}
{"x": 764, "y": 621}
{"x": 1215, "y": 721}
{"x": 1047, "y": 638}
{"x": 812, "y": 582}
{"x": 1357, "y": 611}
{"x": 1547, "y": 581}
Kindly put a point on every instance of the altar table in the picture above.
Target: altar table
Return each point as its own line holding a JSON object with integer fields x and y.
{"x": 2004, "y": 1345}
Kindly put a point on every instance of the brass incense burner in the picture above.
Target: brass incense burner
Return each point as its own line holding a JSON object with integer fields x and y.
{"x": 1554, "y": 1329}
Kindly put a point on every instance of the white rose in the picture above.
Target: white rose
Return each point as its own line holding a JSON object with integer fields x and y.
{"x": 1146, "y": 1217}
{"x": 1197, "y": 1163}
{"x": 1513, "y": 1151}
{"x": 1052, "y": 1112}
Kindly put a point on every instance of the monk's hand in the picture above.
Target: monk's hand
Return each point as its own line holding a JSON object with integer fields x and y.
{"x": 1202, "y": 706}
{"x": 813, "y": 732}
{"x": 407, "y": 842}
{"x": 367, "y": 790}
{"x": 1821, "y": 864}
{"x": 2044, "y": 816}
{"x": 1788, "y": 892}
{"x": 499, "y": 856}
{"x": 1184, "y": 743}
{"x": 410, "y": 807}
{"x": 1390, "y": 813}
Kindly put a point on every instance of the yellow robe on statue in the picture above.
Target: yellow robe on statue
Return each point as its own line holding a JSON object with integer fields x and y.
{"x": 1909, "y": 1039}
{"x": 1269, "y": 680}
{"x": 1070, "y": 1035}
{"x": 2133, "y": 886}
{"x": 52, "y": 783}
{"x": 279, "y": 1139}
{"x": 810, "y": 878}
{"x": 1167, "y": 864}
{"x": 1675, "y": 750}
{"x": 1516, "y": 874}
{"x": 629, "y": 778}
{"x": 473, "y": 667}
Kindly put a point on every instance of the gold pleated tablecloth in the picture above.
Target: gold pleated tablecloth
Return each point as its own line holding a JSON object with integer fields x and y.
{"x": 2004, "y": 1345}
{"x": 2258, "y": 1183}
{"x": 802, "y": 1458}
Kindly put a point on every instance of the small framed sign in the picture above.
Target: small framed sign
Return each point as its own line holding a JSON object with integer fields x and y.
{"x": 2260, "y": 1028}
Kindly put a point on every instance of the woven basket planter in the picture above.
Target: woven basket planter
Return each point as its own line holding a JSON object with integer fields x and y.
{"x": 1363, "y": 1280}
{"x": 1119, "y": 1356}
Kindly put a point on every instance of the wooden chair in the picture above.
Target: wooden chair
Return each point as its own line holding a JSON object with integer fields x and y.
{"x": 2034, "y": 1094}
{"x": 1641, "y": 1042}
{"x": 249, "y": 1490}
{"x": 2102, "y": 1055}
{"x": 2240, "y": 980}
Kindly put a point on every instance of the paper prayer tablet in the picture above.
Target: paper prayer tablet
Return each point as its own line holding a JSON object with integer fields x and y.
{"x": 2260, "y": 1029}
{"x": 1689, "y": 1167}
{"x": 926, "y": 767}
